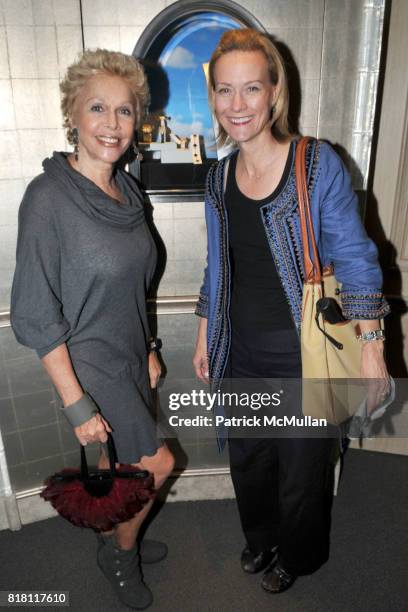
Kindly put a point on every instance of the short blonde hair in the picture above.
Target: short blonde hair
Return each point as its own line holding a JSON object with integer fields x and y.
{"x": 111, "y": 63}
{"x": 247, "y": 39}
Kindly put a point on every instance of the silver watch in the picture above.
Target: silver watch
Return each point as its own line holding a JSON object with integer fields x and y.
{"x": 371, "y": 336}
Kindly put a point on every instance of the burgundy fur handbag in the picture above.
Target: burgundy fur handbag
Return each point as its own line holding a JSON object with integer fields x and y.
{"x": 99, "y": 499}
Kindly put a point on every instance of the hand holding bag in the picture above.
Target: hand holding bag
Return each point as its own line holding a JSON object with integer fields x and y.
{"x": 331, "y": 354}
{"x": 99, "y": 499}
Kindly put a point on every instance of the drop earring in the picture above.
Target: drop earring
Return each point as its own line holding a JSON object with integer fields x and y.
{"x": 75, "y": 140}
{"x": 138, "y": 158}
{"x": 138, "y": 154}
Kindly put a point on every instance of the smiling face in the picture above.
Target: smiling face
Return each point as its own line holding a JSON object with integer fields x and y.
{"x": 104, "y": 114}
{"x": 243, "y": 95}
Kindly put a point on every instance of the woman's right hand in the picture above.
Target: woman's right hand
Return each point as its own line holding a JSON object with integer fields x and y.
{"x": 94, "y": 430}
{"x": 200, "y": 359}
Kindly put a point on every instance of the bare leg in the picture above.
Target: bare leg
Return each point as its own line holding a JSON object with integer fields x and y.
{"x": 160, "y": 465}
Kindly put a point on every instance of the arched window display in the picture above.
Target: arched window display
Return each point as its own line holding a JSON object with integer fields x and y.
{"x": 177, "y": 139}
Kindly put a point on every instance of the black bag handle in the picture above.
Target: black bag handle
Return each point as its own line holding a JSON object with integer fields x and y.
{"x": 111, "y": 454}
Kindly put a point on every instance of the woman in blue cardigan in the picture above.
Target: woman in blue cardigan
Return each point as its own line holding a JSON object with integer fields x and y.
{"x": 250, "y": 302}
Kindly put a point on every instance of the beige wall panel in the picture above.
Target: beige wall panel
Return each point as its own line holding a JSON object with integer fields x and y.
{"x": 18, "y": 12}
{"x": 163, "y": 210}
{"x": 308, "y": 130}
{"x": 100, "y": 12}
{"x": 8, "y": 239}
{"x": 36, "y": 145}
{"x": 310, "y": 102}
{"x": 67, "y": 12}
{"x": 338, "y": 103}
{"x": 46, "y": 52}
{"x": 138, "y": 13}
{"x": 11, "y": 193}
{"x": 54, "y": 140}
{"x": 10, "y": 161}
{"x": 37, "y": 103}
{"x": 284, "y": 13}
{"x": 103, "y": 37}
{"x": 170, "y": 278}
{"x": 69, "y": 45}
{"x": 21, "y": 46}
{"x": 189, "y": 210}
{"x": 129, "y": 35}
{"x": 6, "y": 279}
{"x": 341, "y": 54}
{"x": 32, "y": 52}
{"x": 190, "y": 276}
{"x": 7, "y": 118}
{"x": 43, "y": 12}
{"x": 4, "y": 60}
{"x": 305, "y": 45}
{"x": 190, "y": 239}
{"x": 344, "y": 13}
{"x": 60, "y": 12}
{"x": 165, "y": 228}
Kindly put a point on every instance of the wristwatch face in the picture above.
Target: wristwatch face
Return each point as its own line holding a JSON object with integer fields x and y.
{"x": 155, "y": 344}
{"x": 376, "y": 334}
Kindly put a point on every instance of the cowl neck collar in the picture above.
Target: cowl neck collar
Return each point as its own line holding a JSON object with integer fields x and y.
{"x": 95, "y": 202}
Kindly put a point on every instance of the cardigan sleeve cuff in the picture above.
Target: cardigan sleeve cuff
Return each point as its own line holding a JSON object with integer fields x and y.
{"x": 364, "y": 304}
{"x": 202, "y": 306}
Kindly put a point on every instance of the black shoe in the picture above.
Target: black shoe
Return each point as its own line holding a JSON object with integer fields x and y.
{"x": 276, "y": 579}
{"x": 252, "y": 564}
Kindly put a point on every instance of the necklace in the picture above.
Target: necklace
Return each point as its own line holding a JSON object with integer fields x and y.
{"x": 257, "y": 174}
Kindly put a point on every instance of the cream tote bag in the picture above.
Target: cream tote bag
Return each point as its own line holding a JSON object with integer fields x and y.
{"x": 331, "y": 353}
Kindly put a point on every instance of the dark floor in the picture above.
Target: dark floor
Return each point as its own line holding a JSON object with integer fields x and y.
{"x": 367, "y": 570}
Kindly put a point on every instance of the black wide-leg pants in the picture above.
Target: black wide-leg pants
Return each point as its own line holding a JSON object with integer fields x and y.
{"x": 283, "y": 485}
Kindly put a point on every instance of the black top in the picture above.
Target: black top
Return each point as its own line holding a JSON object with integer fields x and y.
{"x": 257, "y": 298}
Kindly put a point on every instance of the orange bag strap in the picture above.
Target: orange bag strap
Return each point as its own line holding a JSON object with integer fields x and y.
{"x": 312, "y": 267}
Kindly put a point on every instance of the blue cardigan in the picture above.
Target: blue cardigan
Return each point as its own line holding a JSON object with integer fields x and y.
{"x": 340, "y": 237}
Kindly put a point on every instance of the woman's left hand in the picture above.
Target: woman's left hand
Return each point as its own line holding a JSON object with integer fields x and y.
{"x": 373, "y": 367}
{"x": 154, "y": 369}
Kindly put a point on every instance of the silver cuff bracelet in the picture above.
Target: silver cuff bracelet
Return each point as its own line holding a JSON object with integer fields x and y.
{"x": 81, "y": 411}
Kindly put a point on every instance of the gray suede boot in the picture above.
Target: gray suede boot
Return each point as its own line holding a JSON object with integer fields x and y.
{"x": 122, "y": 569}
{"x": 151, "y": 551}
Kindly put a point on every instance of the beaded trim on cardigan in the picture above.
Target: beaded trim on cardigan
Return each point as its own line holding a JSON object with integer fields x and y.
{"x": 357, "y": 305}
{"x": 284, "y": 240}
{"x": 202, "y": 306}
{"x": 219, "y": 338}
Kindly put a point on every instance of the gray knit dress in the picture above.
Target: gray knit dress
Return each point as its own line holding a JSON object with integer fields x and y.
{"x": 84, "y": 263}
